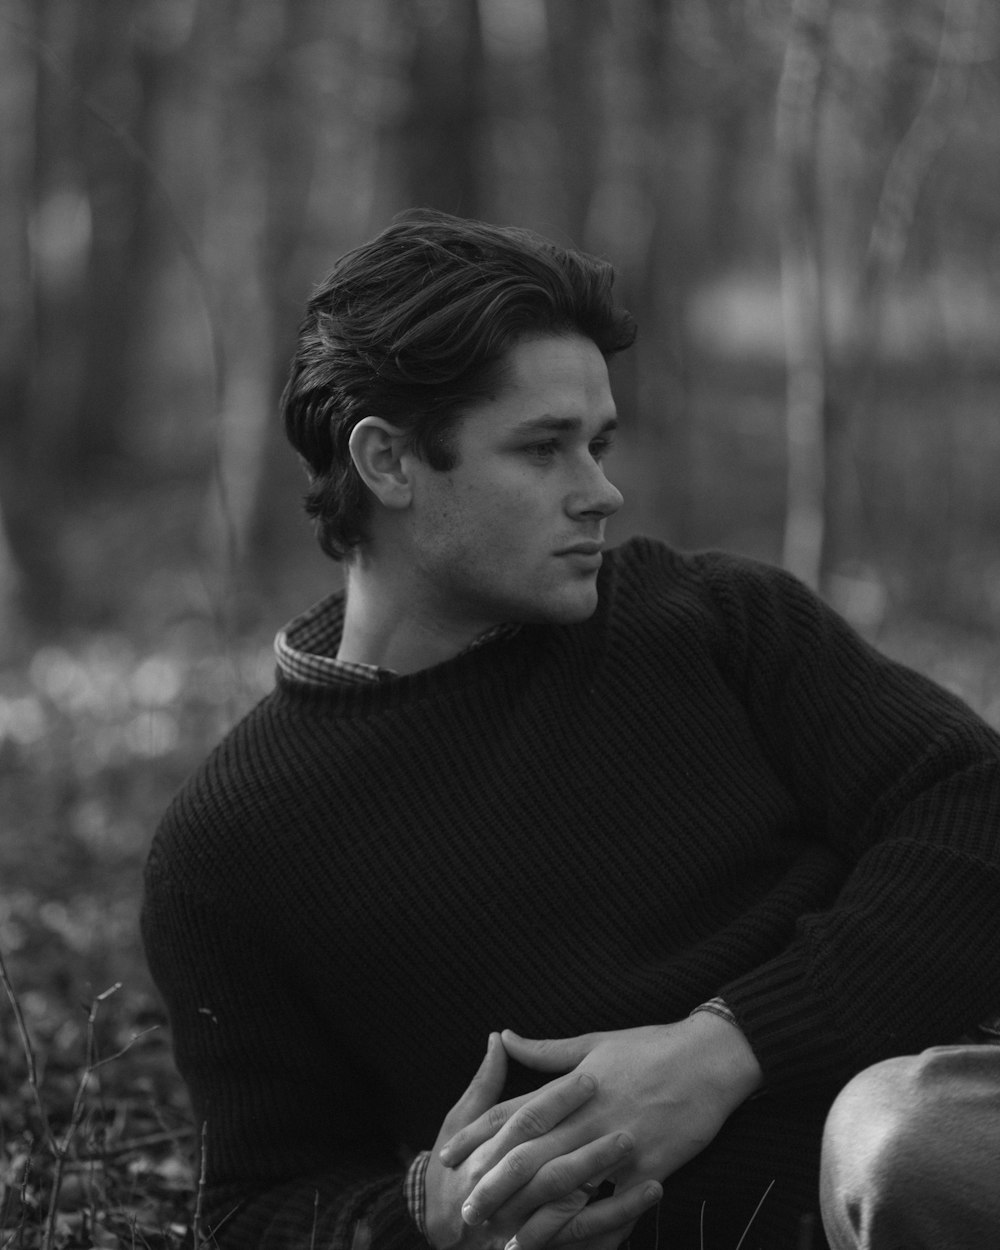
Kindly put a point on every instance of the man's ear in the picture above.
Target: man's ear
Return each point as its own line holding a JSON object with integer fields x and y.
{"x": 377, "y": 448}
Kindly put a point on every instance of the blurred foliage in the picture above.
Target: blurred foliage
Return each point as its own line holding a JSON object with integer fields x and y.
{"x": 95, "y": 736}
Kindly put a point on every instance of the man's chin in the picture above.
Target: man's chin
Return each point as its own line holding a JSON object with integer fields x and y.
{"x": 571, "y": 610}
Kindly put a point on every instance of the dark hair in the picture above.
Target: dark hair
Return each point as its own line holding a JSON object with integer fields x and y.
{"x": 414, "y": 327}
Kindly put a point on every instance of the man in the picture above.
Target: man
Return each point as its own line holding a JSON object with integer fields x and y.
{"x": 663, "y": 818}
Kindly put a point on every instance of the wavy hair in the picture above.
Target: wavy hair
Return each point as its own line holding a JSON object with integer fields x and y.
{"x": 414, "y": 327}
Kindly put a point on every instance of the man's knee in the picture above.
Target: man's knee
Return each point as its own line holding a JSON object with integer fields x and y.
{"x": 867, "y": 1133}
{"x": 903, "y": 1148}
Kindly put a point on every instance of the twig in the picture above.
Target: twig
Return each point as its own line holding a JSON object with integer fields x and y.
{"x": 134, "y": 1144}
{"x": 61, "y": 1148}
{"x": 23, "y": 1197}
{"x": 29, "y": 1050}
{"x": 136, "y": 1037}
{"x": 756, "y": 1212}
{"x": 202, "y": 1174}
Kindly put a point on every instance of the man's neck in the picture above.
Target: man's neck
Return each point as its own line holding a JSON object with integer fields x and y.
{"x": 384, "y": 627}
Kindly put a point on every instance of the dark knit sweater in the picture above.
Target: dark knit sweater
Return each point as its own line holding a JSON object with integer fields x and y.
{"x": 710, "y": 787}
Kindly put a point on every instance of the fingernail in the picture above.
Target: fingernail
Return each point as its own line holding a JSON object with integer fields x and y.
{"x": 444, "y": 1154}
{"x": 513, "y": 1244}
{"x": 623, "y": 1143}
{"x": 653, "y": 1193}
{"x": 470, "y": 1215}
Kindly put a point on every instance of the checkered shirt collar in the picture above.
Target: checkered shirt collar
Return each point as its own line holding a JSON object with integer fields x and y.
{"x": 306, "y": 649}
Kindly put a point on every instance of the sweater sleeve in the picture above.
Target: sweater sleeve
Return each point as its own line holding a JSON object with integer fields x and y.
{"x": 903, "y": 781}
{"x": 293, "y": 1154}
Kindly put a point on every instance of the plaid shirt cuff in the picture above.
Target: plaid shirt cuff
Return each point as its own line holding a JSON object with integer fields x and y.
{"x": 413, "y": 1188}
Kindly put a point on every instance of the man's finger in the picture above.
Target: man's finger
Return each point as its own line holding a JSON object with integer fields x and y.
{"x": 520, "y": 1119}
{"x": 484, "y": 1088}
{"x": 532, "y": 1179}
{"x": 543, "y": 1225}
{"x": 552, "y": 1054}
{"x": 609, "y": 1218}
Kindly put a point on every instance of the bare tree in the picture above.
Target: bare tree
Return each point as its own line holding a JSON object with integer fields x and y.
{"x": 438, "y": 139}
{"x": 797, "y": 134}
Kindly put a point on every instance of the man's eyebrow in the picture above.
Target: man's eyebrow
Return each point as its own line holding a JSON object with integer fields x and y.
{"x": 560, "y": 425}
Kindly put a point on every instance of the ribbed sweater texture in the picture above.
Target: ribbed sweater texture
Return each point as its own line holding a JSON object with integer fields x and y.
{"x": 711, "y": 787}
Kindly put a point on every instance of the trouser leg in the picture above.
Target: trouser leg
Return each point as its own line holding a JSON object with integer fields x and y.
{"x": 911, "y": 1154}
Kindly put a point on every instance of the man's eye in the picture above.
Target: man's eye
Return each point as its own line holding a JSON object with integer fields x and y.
{"x": 542, "y": 451}
{"x": 600, "y": 447}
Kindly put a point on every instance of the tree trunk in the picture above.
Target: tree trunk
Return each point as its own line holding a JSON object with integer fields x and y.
{"x": 799, "y": 108}
{"x": 50, "y": 218}
{"x": 440, "y": 138}
{"x": 17, "y": 75}
{"x": 574, "y": 70}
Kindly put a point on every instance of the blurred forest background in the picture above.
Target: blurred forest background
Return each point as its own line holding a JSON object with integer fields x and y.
{"x": 802, "y": 198}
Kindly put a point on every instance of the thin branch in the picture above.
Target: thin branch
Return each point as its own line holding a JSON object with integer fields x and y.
{"x": 28, "y": 1048}
{"x": 133, "y": 1145}
{"x": 202, "y": 1176}
{"x": 756, "y": 1212}
{"x": 62, "y": 1147}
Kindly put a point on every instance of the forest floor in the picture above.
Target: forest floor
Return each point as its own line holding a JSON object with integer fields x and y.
{"x": 96, "y": 1143}
{"x": 97, "y": 1147}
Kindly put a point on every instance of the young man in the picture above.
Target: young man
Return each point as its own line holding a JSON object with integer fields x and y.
{"x": 661, "y": 817}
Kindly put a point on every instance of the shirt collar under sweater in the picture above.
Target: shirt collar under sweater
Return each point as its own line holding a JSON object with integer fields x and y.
{"x": 306, "y": 649}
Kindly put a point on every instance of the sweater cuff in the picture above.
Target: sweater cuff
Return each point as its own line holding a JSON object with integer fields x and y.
{"x": 788, "y": 1028}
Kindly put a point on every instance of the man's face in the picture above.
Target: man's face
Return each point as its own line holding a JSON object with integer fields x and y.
{"x": 514, "y": 532}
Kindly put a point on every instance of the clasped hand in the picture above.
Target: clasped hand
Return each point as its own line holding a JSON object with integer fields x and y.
{"x": 632, "y": 1107}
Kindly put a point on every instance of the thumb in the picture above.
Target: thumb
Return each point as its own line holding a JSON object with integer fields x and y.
{"x": 485, "y": 1087}
{"x": 549, "y": 1054}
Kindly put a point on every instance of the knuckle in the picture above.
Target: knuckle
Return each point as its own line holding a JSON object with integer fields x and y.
{"x": 530, "y": 1121}
{"x": 496, "y": 1117}
{"x": 579, "y": 1228}
{"x": 558, "y": 1182}
{"x": 517, "y": 1165}
{"x": 569, "y": 1203}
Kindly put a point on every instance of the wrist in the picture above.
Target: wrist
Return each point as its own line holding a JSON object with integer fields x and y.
{"x": 442, "y": 1225}
{"x": 733, "y": 1067}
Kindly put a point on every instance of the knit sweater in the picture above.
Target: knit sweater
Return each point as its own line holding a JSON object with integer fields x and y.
{"x": 712, "y": 786}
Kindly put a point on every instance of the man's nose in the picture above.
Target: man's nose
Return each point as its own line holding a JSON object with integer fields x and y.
{"x": 596, "y": 495}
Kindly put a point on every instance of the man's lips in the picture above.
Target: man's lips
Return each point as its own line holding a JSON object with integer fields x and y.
{"x": 587, "y": 547}
{"x": 584, "y": 556}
